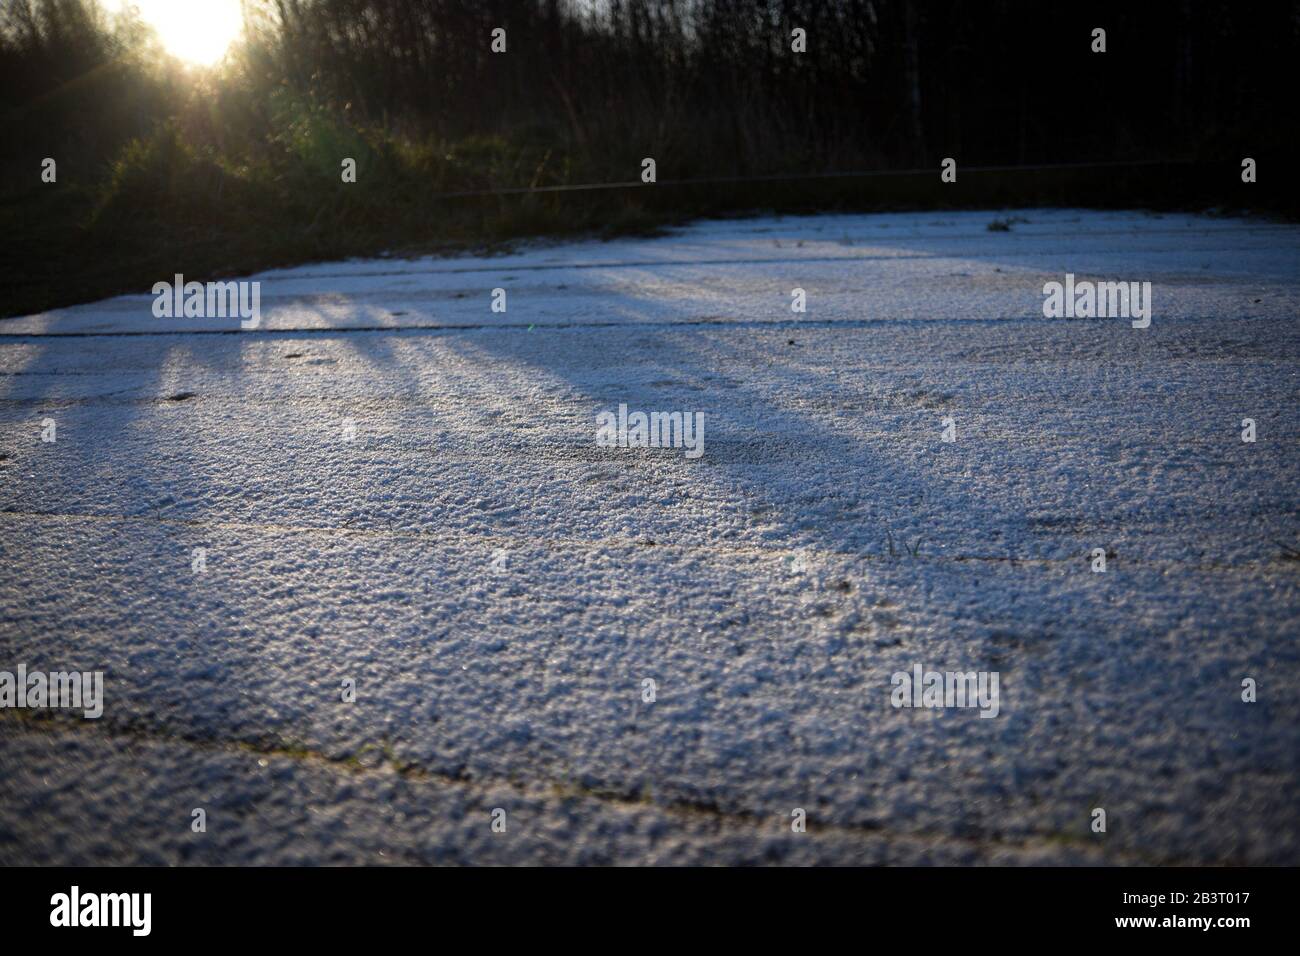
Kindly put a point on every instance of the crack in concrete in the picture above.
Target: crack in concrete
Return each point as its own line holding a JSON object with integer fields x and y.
{"x": 611, "y": 797}
{"x": 778, "y": 555}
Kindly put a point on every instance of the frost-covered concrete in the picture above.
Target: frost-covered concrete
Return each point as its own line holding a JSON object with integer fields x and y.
{"x": 499, "y": 587}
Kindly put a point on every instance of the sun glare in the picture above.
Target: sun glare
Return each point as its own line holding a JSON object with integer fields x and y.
{"x": 196, "y": 31}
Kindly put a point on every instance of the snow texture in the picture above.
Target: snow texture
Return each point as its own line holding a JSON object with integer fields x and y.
{"x": 499, "y": 587}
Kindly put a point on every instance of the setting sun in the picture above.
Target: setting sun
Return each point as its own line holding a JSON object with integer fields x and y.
{"x": 196, "y": 31}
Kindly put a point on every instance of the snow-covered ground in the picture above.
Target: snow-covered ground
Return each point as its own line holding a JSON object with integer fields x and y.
{"x": 500, "y": 588}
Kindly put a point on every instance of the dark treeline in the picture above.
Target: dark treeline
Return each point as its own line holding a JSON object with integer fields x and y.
{"x": 710, "y": 86}
{"x": 883, "y": 81}
{"x": 586, "y": 88}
